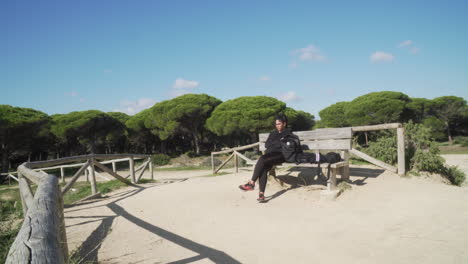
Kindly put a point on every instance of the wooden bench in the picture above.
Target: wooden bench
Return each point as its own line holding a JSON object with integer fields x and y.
{"x": 323, "y": 140}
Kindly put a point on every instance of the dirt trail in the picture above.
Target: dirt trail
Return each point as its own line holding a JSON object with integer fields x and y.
{"x": 383, "y": 219}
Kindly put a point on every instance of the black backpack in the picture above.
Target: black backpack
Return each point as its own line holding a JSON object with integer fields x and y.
{"x": 308, "y": 157}
{"x": 290, "y": 147}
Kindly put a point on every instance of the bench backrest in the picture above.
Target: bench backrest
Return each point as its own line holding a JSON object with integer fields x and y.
{"x": 320, "y": 139}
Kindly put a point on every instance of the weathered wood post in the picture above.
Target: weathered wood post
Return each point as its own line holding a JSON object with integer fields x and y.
{"x": 212, "y": 163}
{"x": 236, "y": 162}
{"x": 151, "y": 168}
{"x": 92, "y": 176}
{"x": 132, "y": 168}
{"x": 114, "y": 169}
{"x": 401, "y": 151}
{"x": 62, "y": 174}
{"x": 25, "y": 193}
{"x": 87, "y": 174}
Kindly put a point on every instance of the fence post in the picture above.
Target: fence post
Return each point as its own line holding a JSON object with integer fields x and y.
{"x": 151, "y": 168}
{"x": 114, "y": 169}
{"x": 401, "y": 151}
{"x": 236, "y": 162}
{"x": 93, "y": 177}
{"x": 132, "y": 168}
{"x": 212, "y": 163}
{"x": 62, "y": 174}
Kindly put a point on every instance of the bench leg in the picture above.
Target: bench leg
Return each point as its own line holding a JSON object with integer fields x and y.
{"x": 345, "y": 173}
{"x": 331, "y": 183}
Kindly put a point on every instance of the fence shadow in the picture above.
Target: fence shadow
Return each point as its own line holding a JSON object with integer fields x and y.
{"x": 88, "y": 251}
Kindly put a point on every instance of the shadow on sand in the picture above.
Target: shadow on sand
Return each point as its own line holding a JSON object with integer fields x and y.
{"x": 315, "y": 177}
{"x": 88, "y": 251}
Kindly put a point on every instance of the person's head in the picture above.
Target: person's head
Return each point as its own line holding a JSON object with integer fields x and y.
{"x": 281, "y": 122}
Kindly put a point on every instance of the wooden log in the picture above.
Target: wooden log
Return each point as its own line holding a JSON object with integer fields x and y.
{"x": 401, "y": 151}
{"x": 373, "y": 160}
{"x": 75, "y": 177}
{"x": 376, "y": 127}
{"x": 39, "y": 239}
{"x": 92, "y": 176}
{"x": 236, "y": 162}
{"x": 132, "y": 170}
{"x": 249, "y": 161}
{"x": 55, "y": 162}
{"x": 151, "y": 168}
{"x": 237, "y": 148}
{"x": 224, "y": 163}
{"x": 31, "y": 175}
{"x": 117, "y": 176}
{"x": 212, "y": 163}
{"x": 11, "y": 176}
{"x": 26, "y": 194}
{"x": 62, "y": 174}
{"x": 143, "y": 170}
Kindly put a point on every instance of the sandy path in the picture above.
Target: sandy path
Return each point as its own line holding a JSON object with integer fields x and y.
{"x": 383, "y": 219}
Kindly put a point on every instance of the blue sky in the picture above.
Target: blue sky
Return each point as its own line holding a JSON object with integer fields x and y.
{"x": 63, "y": 56}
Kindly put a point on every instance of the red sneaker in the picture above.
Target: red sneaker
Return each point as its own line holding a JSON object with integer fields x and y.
{"x": 247, "y": 187}
{"x": 261, "y": 198}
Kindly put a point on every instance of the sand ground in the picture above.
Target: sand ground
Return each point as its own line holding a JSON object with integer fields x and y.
{"x": 188, "y": 217}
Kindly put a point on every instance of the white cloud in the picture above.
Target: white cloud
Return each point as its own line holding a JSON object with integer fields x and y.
{"x": 405, "y": 43}
{"x": 184, "y": 84}
{"x": 380, "y": 56}
{"x": 264, "y": 78}
{"x": 409, "y": 45}
{"x": 309, "y": 53}
{"x": 133, "y": 107}
{"x": 290, "y": 96}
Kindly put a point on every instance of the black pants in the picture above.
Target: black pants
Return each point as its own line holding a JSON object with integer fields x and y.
{"x": 264, "y": 164}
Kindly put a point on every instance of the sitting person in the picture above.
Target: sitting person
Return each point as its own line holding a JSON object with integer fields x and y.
{"x": 273, "y": 156}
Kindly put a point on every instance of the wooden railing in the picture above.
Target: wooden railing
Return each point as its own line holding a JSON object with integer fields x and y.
{"x": 401, "y": 170}
{"x": 42, "y": 237}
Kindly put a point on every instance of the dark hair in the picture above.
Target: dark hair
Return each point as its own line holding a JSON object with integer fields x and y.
{"x": 282, "y": 118}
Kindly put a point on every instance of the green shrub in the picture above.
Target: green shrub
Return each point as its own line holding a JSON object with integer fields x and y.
{"x": 7, "y": 237}
{"x": 384, "y": 149}
{"x": 455, "y": 175}
{"x": 428, "y": 160}
{"x": 463, "y": 141}
{"x": 191, "y": 154}
{"x": 160, "y": 159}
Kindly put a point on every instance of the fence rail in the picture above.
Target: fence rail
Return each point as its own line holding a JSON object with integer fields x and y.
{"x": 42, "y": 237}
{"x": 401, "y": 170}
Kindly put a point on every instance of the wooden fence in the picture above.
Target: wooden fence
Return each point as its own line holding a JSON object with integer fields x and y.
{"x": 42, "y": 237}
{"x": 401, "y": 169}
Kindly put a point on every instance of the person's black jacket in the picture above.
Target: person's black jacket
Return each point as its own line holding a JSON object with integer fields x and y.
{"x": 273, "y": 142}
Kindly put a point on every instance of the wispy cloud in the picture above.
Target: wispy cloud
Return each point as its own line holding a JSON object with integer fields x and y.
{"x": 290, "y": 96}
{"x": 410, "y": 46}
{"x": 181, "y": 87}
{"x": 380, "y": 56}
{"x": 309, "y": 53}
{"x": 264, "y": 78}
{"x": 133, "y": 107}
{"x": 184, "y": 84}
{"x": 405, "y": 43}
{"x": 108, "y": 71}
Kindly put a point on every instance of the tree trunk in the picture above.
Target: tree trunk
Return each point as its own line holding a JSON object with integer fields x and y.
{"x": 449, "y": 133}
{"x": 196, "y": 141}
